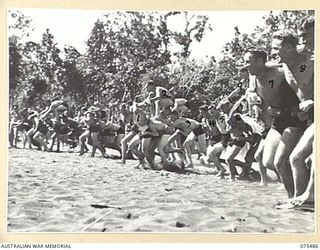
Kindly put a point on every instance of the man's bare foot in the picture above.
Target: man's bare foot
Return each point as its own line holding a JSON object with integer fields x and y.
{"x": 263, "y": 183}
{"x": 204, "y": 160}
{"x": 189, "y": 165}
{"x": 281, "y": 187}
{"x": 221, "y": 172}
{"x": 300, "y": 200}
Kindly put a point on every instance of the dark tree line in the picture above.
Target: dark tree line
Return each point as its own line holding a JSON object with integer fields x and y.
{"x": 126, "y": 48}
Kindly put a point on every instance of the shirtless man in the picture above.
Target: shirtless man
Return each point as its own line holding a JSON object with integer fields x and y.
{"x": 240, "y": 133}
{"x": 272, "y": 86}
{"x": 24, "y": 126}
{"x": 163, "y": 147}
{"x": 261, "y": 121}
{"x": 213, "y": 152}
{"x": 190, "y": 129}
{"x": 162, "y": 99}
{"x": 306, "y": 35}
{"x": 299, "y": 69}
{"x": 130, "y": 129}
{"x": 149, "y": 137}
{"x": 15, "y": 120}
{"x": 241, "y": 86}
{"x": 92, "y": 132}
{"x": 117, "y": 133}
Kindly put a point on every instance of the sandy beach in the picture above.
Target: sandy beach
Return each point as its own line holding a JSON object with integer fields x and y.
{"x": 62, "y": 192}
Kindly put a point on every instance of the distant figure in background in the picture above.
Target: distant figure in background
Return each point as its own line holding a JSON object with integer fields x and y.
{"x": 15, "y": 120}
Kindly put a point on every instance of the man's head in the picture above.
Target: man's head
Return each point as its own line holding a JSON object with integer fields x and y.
{"x": 255, "y": 61}
{"x": 213, "y": 112}
{"x": 83, "y": 109}
{"x": 24, "y": 112}
{"x": 174, "y": 115}
{"x": 224, "y": 105}
{"x": 235, "y": 120}
{"x": 91, "y": 99}
{"x": 150, "y": 85}
{"x": 284, "y": 45}
{"x": 166, "y": 110}
{"x": 306, "y": 33}
{"x": 243, "y": 74}
{"x": 204, "y": 109}
{"x": 15, "y": 107}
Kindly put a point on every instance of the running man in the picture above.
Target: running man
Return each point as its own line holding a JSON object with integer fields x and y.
{"x": 272, "y": 86}
{"x": 299, "y": 69}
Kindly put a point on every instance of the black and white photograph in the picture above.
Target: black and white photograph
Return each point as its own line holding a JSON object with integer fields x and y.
{"x": 129, "y": 121}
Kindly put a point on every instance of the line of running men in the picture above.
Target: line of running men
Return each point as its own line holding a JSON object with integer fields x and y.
{"x": 276, "y": 127}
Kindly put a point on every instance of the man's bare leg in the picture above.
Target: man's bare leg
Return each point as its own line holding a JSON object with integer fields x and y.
{"x": 289, "y": 140}
{"x": 232, "y": 153}
{"x": 29, "y": 135}
{"x": 213, "y": 154}
{"x": 308, "y": 194}
{"x": 298, "y": 157}
{"x": 188, "y": 148}
{"x": 82, "y": 140}
{"x": 134, "y": 146}
{"x": 124, "y": 145}
{"x": 270, "y": 147}
{"x": 262, "y": 169}
{"x": 38, "y": 136}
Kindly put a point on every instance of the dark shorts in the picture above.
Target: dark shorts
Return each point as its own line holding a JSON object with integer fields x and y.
{"x": 24, "y": 126}
{"x": 199, "y": 131}
{"x": 287, "y": 120}
{"x": 225, "y": 139}
{"x": 94, "y": 129}
{"x": 239, "y": 143}
{"x": 311, "y": 115}
{"x": 106, "y": 132}
{"x": 215, "y": 138}
{"x": 43, "y": 129}
{"x": 62, "y": 129}
{"x": 76, "y": 132}
{"x": 166, "y": 131}
{"x": 256, "y": 138}
{"x": 264, "y": 133}
{"x": 134, "y": 128}
{"x": 149, "y": 136}
{"x": 121, "y": 131}
{"x": 182, "y": 136}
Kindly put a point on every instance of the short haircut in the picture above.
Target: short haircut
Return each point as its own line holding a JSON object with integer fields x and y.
{"x": 243, "y": 70}
{"x": 222, "y": 103}
{"x": 286, "y": 37}
{"x": 175, "y": 113}
{"x": 307, "y": 23}
{"x": 258, "y": 54}
{"x": 204, "y": 107}
{"x": 150, "y": 83}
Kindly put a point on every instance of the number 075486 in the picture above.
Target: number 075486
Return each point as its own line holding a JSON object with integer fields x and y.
{"x": 313, "y": 245}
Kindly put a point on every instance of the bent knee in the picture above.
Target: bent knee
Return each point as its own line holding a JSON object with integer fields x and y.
{"x": 187, "y": 143}
{"x": 258, "y": 157}
{"x": 268, "y": 163}
{"x": 230, "y": 160}
{"x": 296, "y": 160}
{"x": 123, "y": 142}
{"x": 280, "y": 162}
